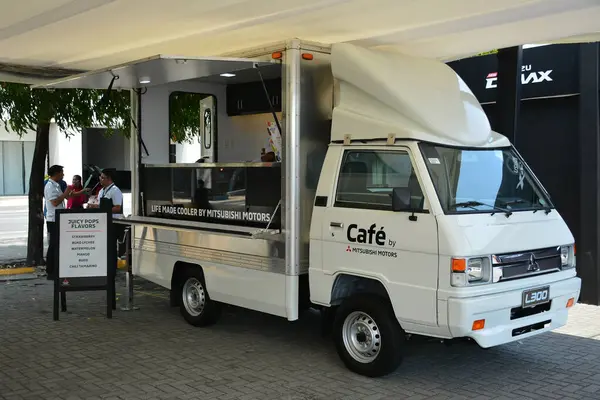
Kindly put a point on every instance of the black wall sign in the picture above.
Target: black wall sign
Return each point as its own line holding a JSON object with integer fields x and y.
{"x": 547, "y": 71}
{"x": 208, "y": 214}
{"x": 243, "y": 196}
{"x": 86, "y": 255}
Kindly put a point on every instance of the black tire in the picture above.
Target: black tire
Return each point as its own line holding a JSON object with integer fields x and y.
{"x": 207, "y": 315}
{"x": 381, "y": 319}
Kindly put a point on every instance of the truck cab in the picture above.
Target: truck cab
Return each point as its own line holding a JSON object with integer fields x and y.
{"x": 438, "y": 229}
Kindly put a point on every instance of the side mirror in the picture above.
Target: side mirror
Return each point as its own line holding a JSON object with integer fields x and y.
{"x": 401, "y": 199}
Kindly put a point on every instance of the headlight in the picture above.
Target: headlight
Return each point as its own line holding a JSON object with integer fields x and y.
{"x": 475, "y": 269}
{"x": 564, "y": 256}
{"x": 567, "y": 256}
{"x": 470, "y": 271}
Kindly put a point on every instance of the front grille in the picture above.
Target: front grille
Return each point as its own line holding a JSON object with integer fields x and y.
{"x": 520, "y": 312}
{"x": 526, "y": 263}
{"x": 531, "y": 328}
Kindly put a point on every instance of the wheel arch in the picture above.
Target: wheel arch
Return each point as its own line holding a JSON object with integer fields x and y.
{"x": 176, "y": 276}
{"x": 347, "y": 284}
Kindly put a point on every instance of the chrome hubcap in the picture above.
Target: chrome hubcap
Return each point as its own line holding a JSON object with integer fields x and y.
{"x": 361, "y": 336}
{"x": 194, "y": 297}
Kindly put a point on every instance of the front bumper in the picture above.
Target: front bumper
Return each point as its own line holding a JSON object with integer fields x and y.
{"x": 496, "y": 310}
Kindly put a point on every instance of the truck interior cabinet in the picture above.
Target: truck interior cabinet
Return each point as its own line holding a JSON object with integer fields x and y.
{"x": 249, "y": 98}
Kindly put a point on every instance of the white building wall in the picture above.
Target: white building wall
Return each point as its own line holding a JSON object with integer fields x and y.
{"x": 65, "y": 150}
{"x": 70, "y": 151}
{"x": 15, "y": 161}
{"x": 5, "y": 135}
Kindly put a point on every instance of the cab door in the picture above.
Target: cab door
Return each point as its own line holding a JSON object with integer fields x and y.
{"x": 363, "y": 236}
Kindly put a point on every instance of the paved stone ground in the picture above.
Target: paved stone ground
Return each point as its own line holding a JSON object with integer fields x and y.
{"x": 153, "y": 354}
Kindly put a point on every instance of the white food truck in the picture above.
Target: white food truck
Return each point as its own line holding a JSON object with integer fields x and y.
{"x": 395, "y": 208}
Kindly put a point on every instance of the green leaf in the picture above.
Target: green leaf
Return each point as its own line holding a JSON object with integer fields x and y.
{"x": 184, "y": 116}
{"x": 23, "y": 108}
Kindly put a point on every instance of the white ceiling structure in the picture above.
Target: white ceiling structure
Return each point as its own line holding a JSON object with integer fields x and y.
{"x": 93, "y": 34}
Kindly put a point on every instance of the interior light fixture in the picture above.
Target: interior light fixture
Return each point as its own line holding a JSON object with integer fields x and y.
{"x": 227, "y": 75}
{"x": 144, "y": 80}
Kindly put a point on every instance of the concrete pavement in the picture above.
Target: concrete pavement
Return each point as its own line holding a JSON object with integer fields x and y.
{"x": 153, "y": 354}
{"x": 13, "y": 228}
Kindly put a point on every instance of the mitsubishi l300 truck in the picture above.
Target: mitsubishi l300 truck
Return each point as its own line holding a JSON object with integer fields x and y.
{"x": 394, "y": 209}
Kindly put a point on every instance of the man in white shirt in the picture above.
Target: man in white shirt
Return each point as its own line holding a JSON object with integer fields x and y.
{"x": 55, "y": 200}
{"x": 111, "y": 196}
{"x": 110, "y": 193}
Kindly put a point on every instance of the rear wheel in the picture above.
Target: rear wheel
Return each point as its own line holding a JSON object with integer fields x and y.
{"x": 368, "y": 337}
{"x": 196, "y": 307}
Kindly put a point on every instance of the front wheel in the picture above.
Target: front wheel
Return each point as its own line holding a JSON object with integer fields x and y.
{"x": 368, "y": 337}
{"x": 196, "y": 307}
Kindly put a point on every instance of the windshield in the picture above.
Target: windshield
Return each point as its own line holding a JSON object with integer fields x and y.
{"x": 482, "y": 180}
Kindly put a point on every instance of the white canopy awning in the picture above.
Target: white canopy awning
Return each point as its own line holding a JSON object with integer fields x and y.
{"x": 94, "y": 34}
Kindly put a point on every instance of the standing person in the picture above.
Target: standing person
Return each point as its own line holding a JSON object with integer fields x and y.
{"x": 63, "y": 187}
{"x": 111, "y": 198}
{"x": 54, "y": 200}
{"x": 78, "y": 194}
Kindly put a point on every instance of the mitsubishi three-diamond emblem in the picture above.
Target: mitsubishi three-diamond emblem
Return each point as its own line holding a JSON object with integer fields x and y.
{"x": 533, "y": 264}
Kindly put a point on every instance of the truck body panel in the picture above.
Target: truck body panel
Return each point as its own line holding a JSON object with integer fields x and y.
{"x": 275, "y": 257}
{"x": 353, "y": 247}
{"x": 506, "y": 321}
{"x": 379, "y": 93}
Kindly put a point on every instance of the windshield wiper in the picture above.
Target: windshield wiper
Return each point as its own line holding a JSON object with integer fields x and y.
{"x": 472, "y": 204}
{"x": 547, "y": 209}
{"x": 512, "y": 202}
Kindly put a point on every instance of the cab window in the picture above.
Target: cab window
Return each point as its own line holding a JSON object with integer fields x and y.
{"x": 368, "y": 177}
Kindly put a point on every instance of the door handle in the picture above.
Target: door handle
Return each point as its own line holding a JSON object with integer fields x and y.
{"x": 336, "y": 224}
